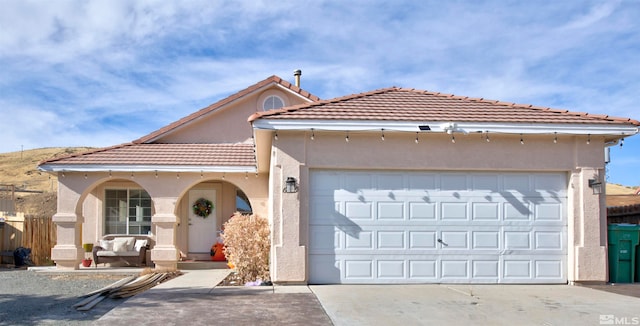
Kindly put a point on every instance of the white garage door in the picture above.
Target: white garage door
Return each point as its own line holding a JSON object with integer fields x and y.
{"x": 437, "y": 227}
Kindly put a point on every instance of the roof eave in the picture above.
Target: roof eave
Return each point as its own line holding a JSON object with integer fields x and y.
{"x": 226, "y": 102}
{"x": 448, "y": 127}
{"x": 144, "y": 168}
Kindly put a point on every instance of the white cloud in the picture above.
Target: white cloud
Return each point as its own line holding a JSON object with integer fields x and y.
{"x": 596, "y": 14}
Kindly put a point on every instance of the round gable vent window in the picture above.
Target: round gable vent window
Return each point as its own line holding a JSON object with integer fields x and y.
{"x": 272, "y": 102}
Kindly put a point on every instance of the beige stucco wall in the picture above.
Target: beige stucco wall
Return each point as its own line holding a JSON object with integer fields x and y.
{"x": 294, "y": 154}
{"x": 229, "y": 123}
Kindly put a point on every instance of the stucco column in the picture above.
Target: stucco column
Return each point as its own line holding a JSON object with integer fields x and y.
{"x": 589, "y": 230}
{"x": 164, "y": 223}
{"x": 68, "y": 252}
{"x": 165, "y": 254}
{"x": 288, "y": 261}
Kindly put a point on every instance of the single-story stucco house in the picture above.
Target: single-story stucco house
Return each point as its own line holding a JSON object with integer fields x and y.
{"x": 394, "y": 185}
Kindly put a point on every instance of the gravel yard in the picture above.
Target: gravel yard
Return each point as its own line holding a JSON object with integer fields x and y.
{"x": 36, "y": 298}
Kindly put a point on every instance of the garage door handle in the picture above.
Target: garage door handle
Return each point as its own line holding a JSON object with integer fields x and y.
{"x": 443, "y": 243}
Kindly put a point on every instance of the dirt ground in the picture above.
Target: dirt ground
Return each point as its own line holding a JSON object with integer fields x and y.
{"x": 32, "y": 298}
{"x": 629, "y": 289}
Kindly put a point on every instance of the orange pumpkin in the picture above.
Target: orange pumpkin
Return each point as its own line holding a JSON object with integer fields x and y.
{"x": 217, "y": 252}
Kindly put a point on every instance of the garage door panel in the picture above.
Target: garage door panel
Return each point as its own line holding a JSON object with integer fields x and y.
{"x": 325, "y": 211}
{"x": 326, "y": 269}
{"x": 421, "y": 211}
{"x": 358, "y": 269}
{"x": 391, "y": 211}
{"x": 515, "y": 210}
{"x": 389, "y": 181}
{"x": 323, "y": 239}
{"x": 453, "y": 182}
{"x": 548, "y": 269}
{"x": 391, "y": 269}
{"x": 357, "y": 210}
{"x": 485, "y": 269}
{"x": 422, "y": 182}
{"x": 492, "y": 227}
{"x": 549, "y": 240}
{"x": 454, "y": 269}
{"x": 520, "y": 183}
{"x": 486, "y": 182}
{"x": 550, "y": 184}
{"x": 452, "y": 240}
{"x": 453, "y": 211}
{"x": 533, "y": 269}
{"x": 517, "y": 240}
{"x": 517, "y": 270}
{"x": 326, "y": 182}
{"x": 485, "y": 212}
{"x": 421, "y": 240}
{"x": 364, "y": 240}
{"x": 423, "y": 270}
{"x": 391, "y": 240}
{"x": 485, "y": 240}
{"x": 549, "y": 212}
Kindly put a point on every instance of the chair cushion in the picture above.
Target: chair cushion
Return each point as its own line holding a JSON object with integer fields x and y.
{"x": 139, "y": 244}
{"x": 106, "y": 244}
{"x": 120, "y": 246}
{"x": 123, "y": 243}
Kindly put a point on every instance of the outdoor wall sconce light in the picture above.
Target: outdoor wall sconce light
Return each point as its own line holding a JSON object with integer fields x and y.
{"x": 596, "y": 186}
{"x": 290, "y": 186}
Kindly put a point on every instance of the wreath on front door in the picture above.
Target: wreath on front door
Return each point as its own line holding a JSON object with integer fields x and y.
{"x": 202, "y": 207}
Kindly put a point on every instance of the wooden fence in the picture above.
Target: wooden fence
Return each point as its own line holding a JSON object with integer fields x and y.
{"x": 7, "y": 198}
{"x": 624, "y": 214}
{"x": 36, "y": 233}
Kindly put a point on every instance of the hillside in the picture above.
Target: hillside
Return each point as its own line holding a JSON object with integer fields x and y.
{"x": 616, "y": 189}
{"x": 21, "y": 169}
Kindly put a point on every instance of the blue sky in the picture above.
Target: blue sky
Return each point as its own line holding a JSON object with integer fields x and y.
{"x": 99, "y": 73}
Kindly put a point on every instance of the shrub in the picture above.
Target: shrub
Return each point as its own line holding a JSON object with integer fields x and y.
{"x": 247, "y": 246}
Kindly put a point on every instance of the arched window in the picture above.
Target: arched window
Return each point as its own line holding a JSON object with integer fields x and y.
{"x": 272, "y": 102}
{"x": 242, "y": 203}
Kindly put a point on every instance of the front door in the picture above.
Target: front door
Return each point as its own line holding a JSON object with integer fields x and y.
{"x": 202, "y": 230}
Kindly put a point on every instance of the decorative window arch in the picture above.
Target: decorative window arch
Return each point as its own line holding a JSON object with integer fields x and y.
{"x": 272, "y": 102}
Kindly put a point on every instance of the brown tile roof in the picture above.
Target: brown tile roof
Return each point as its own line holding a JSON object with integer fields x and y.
{"x": 164, "y": 155}
{"x": 402, "y": 104}
{"x": 270, "y": 80}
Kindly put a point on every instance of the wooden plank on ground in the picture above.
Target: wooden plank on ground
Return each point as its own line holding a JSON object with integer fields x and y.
{"x": 87, "y": 300}
{"x": 150, "y": 284}
{"x": 124, "y": 288}
{"x": 141, "y": 286}
{"x": 137, "y": 282}
{"x": 92, "y": 303}
{"x": 111, "y": 286}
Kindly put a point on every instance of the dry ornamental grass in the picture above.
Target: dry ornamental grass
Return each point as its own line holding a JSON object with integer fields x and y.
{"x": 247, "y": 245}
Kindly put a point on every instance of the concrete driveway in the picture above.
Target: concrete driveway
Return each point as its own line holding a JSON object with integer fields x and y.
{"x": 475, "y": 305}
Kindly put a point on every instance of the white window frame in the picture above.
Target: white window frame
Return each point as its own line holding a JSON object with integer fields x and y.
{"x": 269, "y": 98}
{"x": 142, "y": 215}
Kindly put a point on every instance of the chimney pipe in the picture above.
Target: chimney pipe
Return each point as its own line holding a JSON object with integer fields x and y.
{"x": 297, "y": 73}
